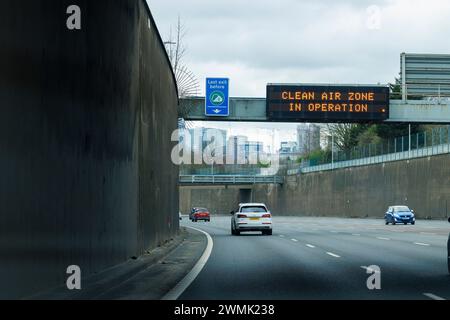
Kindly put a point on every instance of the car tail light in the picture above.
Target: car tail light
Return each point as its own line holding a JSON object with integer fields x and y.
{"x": 241, "y": 216}
{"x": 268, "y": 215}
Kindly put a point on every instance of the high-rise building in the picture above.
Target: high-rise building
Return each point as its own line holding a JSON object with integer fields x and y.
{"x": 308, "y": 138}
{"x": 288, "y": 147}
{"x": 202, "y": 137}
{"x": 236, "y": 149}
{"x": 253, "y": 149}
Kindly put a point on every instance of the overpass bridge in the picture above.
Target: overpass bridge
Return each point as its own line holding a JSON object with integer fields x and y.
{"x": 238, "y": 180}
{"x": 254, "y": 110}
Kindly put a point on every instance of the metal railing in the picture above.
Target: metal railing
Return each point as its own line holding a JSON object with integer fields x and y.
{"x": 423, "y": 144}
{"x": 230, "y": 179}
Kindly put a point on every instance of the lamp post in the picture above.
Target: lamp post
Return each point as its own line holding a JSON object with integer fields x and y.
{"x": 409, "y": 148}
{"x": 332, "y": 151}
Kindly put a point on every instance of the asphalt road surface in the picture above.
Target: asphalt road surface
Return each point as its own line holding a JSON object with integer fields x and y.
{"x": 324, "y": 258}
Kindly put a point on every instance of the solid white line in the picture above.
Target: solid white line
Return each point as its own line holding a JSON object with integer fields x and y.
{"x": 310, "y": 246}
{"x": 356, "y": 235}
{"x": 428, "y": 233}
{"x": 334, "y": 231}
{"x": 333, "y": 255}
{"x": 422, "y": 244}
{"x": 281, "y": 236}
{"x": 295, "y": 240}
{"x": 178, "y": 290}
{"x": 433, "y": 296}
{"x": 382, "y": 238}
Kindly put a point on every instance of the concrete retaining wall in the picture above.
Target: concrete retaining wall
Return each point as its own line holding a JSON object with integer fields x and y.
{"x": 85, "y": 126}
{"x": 218, "y": 200}
{"x": 423, "y": 184}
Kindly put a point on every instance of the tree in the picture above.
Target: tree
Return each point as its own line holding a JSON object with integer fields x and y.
{"x": 346, "y": 135}
{"x": 390, "y": 131}
{"x": 396, "y": 89}
{"x": 187, "y": 83}
{"x": 319, "y": 156}
{"x": 369, "y": 136}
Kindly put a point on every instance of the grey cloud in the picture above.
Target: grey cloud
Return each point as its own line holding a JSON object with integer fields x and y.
{"x": 323, "y": 39}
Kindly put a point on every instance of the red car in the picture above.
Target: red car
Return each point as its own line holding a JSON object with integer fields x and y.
{"x": 200, "y": 214}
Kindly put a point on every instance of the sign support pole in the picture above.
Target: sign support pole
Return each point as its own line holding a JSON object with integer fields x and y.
{"x": 404, "y": 88}
{"x": 332, "y": 151}
{"x": 409, "y": 152}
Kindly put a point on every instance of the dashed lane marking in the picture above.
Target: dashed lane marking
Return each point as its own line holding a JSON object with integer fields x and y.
{"x": 333, "y": 255}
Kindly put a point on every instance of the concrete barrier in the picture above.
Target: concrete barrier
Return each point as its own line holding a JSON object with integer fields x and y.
{"x": 366, "y": 191}
{"x": 85, "y": 127}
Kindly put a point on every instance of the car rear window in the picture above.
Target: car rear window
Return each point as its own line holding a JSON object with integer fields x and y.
{"x": 253, "y": 209}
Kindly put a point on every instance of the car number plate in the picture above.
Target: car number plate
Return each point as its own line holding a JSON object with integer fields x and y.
{"x": 254, "y": 219}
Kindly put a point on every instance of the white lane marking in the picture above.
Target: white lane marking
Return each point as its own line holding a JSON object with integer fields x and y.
{"x": 428, "y": 233}
{"x": 333, "y": 254}
{"x": 422, "y": 244}
{"x": 281, "y": 236}
{"x": 433, "y": 296}
{"x": 334, "y": 231}
{"x": 295, "y": 240}
{"x": 356, "y": 235}
{"x": 370, "y": 269}
{"x": 383, "y": 238}
{"x": 310, "y": 246}
{"x": 178, "y": 290}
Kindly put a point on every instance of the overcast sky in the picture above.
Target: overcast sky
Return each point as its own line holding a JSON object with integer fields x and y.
{"x": 295, "y": 41}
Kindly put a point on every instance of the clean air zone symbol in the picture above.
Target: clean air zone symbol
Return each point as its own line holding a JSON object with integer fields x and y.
{"x": 217, "y": 98}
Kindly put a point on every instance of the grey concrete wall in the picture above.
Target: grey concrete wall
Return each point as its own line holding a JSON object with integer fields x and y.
{"x": 85, "y": 125}
{"x": 423, "y": 184}
{"x": 218, "y": 200}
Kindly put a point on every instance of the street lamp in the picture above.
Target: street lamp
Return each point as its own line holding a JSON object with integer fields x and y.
{"x": 332, "y": 151}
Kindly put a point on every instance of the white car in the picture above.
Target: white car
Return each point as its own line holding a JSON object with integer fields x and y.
{"x": 251, "y": 217}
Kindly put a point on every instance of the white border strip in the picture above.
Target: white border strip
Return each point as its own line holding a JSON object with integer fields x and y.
{"x": 178, "y": 290}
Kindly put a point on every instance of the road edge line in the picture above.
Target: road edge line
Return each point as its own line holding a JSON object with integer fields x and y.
{"x": 179, "y": 289}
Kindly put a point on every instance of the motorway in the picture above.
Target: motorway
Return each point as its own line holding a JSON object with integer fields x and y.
{"x": 324, "y": 258}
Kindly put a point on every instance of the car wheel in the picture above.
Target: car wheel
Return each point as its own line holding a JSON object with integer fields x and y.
{"x": 394, "y": 223}
{"x": 405, "y": 223}
{"x": 387, "y": 222}
{"x": 413, "y": 223}
{"x": 268, "y": 233}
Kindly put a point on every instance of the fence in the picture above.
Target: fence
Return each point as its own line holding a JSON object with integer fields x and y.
{"x": 422, "y": 144}
{"x": 231, "y": 179}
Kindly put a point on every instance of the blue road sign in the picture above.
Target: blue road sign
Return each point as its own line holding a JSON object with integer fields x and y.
{"x": 217, "y": 97}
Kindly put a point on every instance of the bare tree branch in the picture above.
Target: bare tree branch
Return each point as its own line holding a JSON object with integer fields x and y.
{"x": 188, "y": 84}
